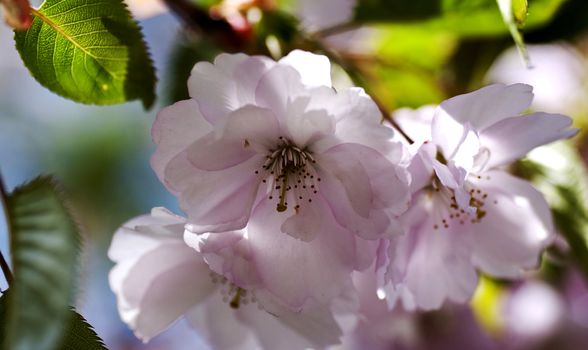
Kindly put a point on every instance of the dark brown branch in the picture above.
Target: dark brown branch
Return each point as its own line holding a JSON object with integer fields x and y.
{"x": 4, "y": 200}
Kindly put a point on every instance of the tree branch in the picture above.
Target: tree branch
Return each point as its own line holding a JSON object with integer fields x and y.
{"x": 4, "y": 200}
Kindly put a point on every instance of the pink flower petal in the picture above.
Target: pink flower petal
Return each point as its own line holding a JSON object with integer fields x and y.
{"x": 218, "y": 201}
{"x": 314, "y": 70}
{"x": 517, "y": 226}
{"x": 174, "y": 129}
{"x": 227, "y": 84}
{"x": 248, "y": 131}
{"x": 514, "y": 137}
{"x": 159, "y": 277}
{"x": 361, "y": 187}
{"x": 277, "y": 88}
{"x": 488, "y": 105}
{"x": 299, "y": 273}
{"x": 433, "y": 265}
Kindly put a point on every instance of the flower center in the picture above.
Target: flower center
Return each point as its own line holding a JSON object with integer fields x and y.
{"x": 291, "y": 173}
{"x": 449, "y": 210}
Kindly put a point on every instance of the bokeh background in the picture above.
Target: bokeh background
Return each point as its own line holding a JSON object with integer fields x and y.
{"x": 100, "y": 155}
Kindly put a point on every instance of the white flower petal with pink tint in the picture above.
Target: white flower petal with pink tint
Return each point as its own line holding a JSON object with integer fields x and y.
{"x": 488, "y": 105}
{"x": 505, "y": 244}
{"x": 174, "y": 140}
{"x": 157, "y": 277}
{"x": 314, "y": 70}
{"x": 512, "y": 138}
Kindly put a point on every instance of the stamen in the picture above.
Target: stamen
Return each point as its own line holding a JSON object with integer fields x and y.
{"x": 290, "y": 170}
{"x": 236, "y": 299}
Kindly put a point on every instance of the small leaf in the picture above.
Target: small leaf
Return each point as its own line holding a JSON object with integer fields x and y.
{"x": 44, "y": 244}
{"x": 77, "y": 334}
{"x": 90, "y": 51}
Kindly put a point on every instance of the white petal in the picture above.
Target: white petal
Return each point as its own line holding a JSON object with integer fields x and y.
{"x": 416, "y": 122}
{"x": 305, "y": 127}
{"x": 217, "y": 322}
{"x": 516, "y": 228}
{"x": 213, "y": 88}
{"x": 315, "y": 70}
{"x": 158, "y": 278}
{"x": 248, "y": 131}
{"x": 277, "y": 327}
{"x": 144, "y": 233}
{"x": 176, "y": 127}
{"x": 459, "y": 143}
{"x": 227, "y": 84}
{"x": 299, "y": 273}
{"x": 488, "y": 105}
{"x": 220, "y": 201}
{"x": 363, "y": 189}
{"x": 514, "y": 137}
{"x": 438, "y": 266}
{"x": 277, "y": 88}
{"x": 228, "y": 254}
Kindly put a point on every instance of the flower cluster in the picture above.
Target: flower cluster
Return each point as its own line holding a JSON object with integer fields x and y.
{"x": 303, "y": 208}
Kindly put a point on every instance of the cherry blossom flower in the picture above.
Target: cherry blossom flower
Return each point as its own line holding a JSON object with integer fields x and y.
{"x": 467, "y": 212}
{"x": 158, "y": 279}
{"x": 257, "y": 132}
{"x": 310, "y": 169}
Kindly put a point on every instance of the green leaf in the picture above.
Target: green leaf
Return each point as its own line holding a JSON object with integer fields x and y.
{"x": 90, "y": 51}
{"x": 77, "y": 334}
{"x": 44, "y": 243}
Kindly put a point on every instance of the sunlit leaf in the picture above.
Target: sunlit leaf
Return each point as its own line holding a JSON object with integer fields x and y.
{"x": 90, "y": 51}
{"x": 44, "y": 243}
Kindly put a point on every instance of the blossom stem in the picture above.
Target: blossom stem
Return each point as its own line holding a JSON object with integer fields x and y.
{"x": 4, "y": 200}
